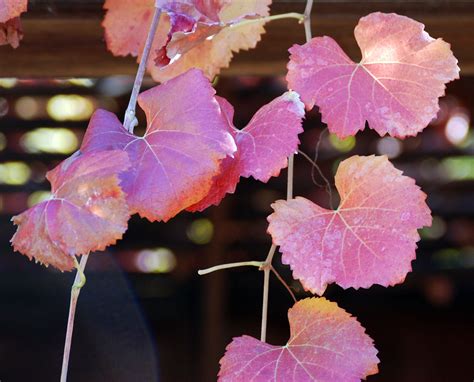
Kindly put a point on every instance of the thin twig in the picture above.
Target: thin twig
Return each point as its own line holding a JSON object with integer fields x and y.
{"x": 79, "y": 282}
{"x": 266, "y": 267}
{"x": 283, "y": 282}
{"x": 291, "y": 15}
{"x": 258, "y": 264}
{"x": 130, "y": 121}
{"x": 307, "y": 20}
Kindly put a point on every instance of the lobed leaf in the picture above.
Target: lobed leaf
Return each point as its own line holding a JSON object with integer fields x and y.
{"x": 175, "y": 162}
{"x": 370, "y": 238}
{"x": 262, "y": 146}
{"x": 395, "y": 87}
{"x": 87, "y": 211}
{"x": 326, "y": 344}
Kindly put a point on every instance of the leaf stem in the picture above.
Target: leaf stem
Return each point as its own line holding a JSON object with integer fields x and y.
{"x": 206, "y": 271}
{"x": 284, "y": 283}
{"x": 79, "y": 282}
{"x": 130, "y": 121}
{"x": 291, "y": 15}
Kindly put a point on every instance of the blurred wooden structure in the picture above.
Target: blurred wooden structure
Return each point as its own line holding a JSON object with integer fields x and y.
{"x": 64, "y": 38}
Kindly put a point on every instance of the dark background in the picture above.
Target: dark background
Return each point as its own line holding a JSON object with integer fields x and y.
{"x": 145, "y": 314}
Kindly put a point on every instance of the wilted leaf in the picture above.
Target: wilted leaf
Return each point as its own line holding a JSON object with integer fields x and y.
{"x": 87, "y": 211}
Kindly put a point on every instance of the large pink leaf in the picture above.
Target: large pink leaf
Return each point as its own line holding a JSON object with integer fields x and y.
{"x": 262, "y": 146}
{"x": 395, "y": 87}
{"x": 326, "y": 345}
{"x": 10, "y": 26}
{"x": 174, "y": 163}
{"x": 87, "y": 211}
{"x": 191, "y": 33}
{"x": 370, "y": 238}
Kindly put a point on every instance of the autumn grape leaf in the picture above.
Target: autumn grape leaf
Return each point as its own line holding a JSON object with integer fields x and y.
{"x": 370, "y": 238}
{"x": 326, "y": 344}
{"x": 87, "y": 211}
{"x": 174, "y": 163}
{"x": 395, "y": 87}
{"x": 190, "y": 34}
{"x": 262, "y": 146}
{"x": 10, "y": 26}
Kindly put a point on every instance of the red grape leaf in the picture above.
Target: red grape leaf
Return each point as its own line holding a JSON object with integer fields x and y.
{"x": 326, "y": 344}
{"x": 395, "y": 87}
{"x": 370, "y": 238}
{"x": 10, "y": 26}
{"x": 191, "y": 33}
{"x": 262, "y": 146}
{"x": 87, "y": 211}
{"x": 182, "y": 149}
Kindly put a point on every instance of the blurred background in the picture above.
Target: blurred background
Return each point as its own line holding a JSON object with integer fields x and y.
{"x": 145, "y": 314}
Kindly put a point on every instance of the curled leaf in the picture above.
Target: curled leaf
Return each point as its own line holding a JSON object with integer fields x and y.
{"x": 326, "y": 344}
{"x": 174, "y": 163}
{"x": 262, "y": 146}
{"x": 87, "y": 211}
{"x": 395, "y": 87}
{"x": 10, "y": 26}
{"x": 191, "y": 33}
{"x": 370, "y": 238}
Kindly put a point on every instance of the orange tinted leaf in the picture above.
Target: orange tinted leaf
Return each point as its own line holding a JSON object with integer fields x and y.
{"x": 87, "y": 211}
{"x": 326, "y": 345}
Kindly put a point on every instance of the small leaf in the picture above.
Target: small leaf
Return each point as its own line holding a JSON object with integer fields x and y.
{"x": 326, "y": 345}
{"x": 174, "y": 163}
{"x": 371, "y": 237}
{"x": 262, "y": 146}
{"x": 10, "y": 26}
{"x": 191, "y": 33}
{"x": 395, "y": 87}
{"x": 87, "y": 211}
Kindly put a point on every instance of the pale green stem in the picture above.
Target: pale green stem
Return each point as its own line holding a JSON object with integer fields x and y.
{"x": 291, "y": 15}
{"x": 230, "y": 265}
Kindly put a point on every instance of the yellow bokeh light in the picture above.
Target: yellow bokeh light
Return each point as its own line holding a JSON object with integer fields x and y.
{"x": 343, "y": 145}
{"x": 27, "y": 107}
{"x": 85, "y": 82}
{"x": 200, "y": 231}
{"x": 157, "y": 260}
{"x": 14, "y": 173}
{"x": 3, "y": 141}
{"x": 70, "y": 107}
{"x": 50, "y": 140}
{"x": 38, "y": 197}
{"x": 8, "y": 83}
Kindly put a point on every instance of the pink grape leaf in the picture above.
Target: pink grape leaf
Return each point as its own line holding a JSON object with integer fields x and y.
{"x": 395, "y": 87}
{"x": 326, "y": 344}
{"x": 10, "y": 26}
{"x": 176, "y": 160}
{"x": 370, "y": 238}
{"x": 87, "y": 211}
{"x": 191, "y": 33}
{"x": 262, "y": 146}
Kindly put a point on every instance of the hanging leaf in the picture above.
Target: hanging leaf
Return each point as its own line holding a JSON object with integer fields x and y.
{"x": 191, "y": 33}
{"x": 87, "y": 211}
{"x": 370, "y": 238}
{"x": 326, "y": 344}
{"x": 262, "y": 146}
{"x": 10, "y": 26}
{"x": 174, "y": 163}
{"x": 395, "y": 87}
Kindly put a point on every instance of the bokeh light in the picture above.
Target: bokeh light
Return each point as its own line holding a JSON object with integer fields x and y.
{"x": 70, "y": 107}
{"x": 14, "y": 173}
{"x": 156, "y": 260}
{"x": 50, "y": 140}
{"x": 389, "y": 146}
{"x": 343, "y": 145}
{"x": 38, "y": 197}
{"x": 27, "y": 107}
{"x": 200, "y": 231}
{"x": 457, "y": 128}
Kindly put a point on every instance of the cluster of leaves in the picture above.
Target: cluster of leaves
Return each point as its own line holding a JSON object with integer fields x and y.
{"x": 10, "y": 26}
{"x": 191, "y": 156}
